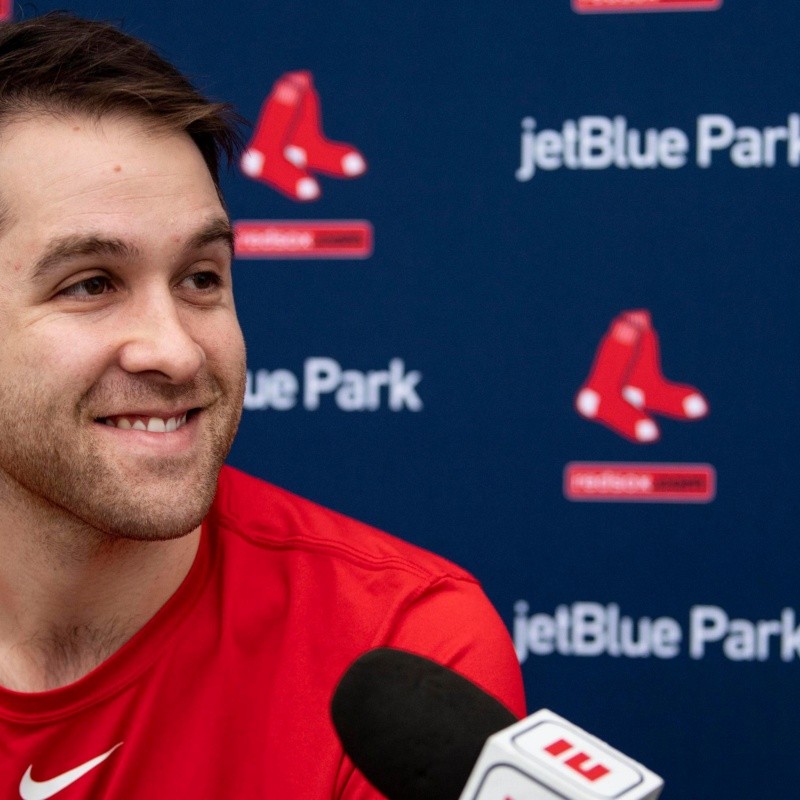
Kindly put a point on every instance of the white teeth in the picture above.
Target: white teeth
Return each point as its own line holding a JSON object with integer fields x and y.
{"x": 152, "y": 425}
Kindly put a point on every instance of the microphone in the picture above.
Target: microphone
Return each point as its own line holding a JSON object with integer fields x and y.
{"x": 419, "y": 731}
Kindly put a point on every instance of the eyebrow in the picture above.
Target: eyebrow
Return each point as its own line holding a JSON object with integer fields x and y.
{"x": 218, "y": 230}
{"x": 67, "y": 248}
{"x": 73, "y": 246}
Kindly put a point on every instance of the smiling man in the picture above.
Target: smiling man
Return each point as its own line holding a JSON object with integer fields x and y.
{"x": 169, "y": 627}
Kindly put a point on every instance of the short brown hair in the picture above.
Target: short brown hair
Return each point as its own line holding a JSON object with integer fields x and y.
{"x": 64, "y": 64}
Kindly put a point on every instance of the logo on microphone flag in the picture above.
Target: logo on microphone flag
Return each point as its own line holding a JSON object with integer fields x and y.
{"x": 545, "y": 756}
{"x": 628, "y": 6}
{"x": 578, "y": 758}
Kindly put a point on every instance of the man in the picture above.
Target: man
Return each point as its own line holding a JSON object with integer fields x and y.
{"x": 169, "y": 628}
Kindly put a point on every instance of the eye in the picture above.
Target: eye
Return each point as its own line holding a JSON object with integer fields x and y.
{"x": 203, "y": 281}
{"x": 90, "y": 287}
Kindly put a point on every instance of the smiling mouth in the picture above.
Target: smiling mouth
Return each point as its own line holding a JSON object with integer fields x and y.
{"x": 139, "y": 422}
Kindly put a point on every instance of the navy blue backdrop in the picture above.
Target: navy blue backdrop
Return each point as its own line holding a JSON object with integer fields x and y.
{"x": 549, "y": 328}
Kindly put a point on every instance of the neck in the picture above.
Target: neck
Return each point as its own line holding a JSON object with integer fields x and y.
{"x": 71, "y": 596}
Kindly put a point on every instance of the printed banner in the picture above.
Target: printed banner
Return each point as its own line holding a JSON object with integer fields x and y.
{"x": 649, "y": 483}
{"x": 601, "y": 6}
{"x": 269, "y": 239}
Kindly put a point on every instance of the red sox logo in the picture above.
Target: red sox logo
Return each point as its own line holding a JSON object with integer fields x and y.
{"x": 288, "y": 143}
{"x": 626, "y": 384}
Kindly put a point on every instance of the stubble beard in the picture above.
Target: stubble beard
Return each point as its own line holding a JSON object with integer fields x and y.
{"x": 66, "y": 478}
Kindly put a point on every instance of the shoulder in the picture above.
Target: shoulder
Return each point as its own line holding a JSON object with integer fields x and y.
{"x": 273, "y": 518}
{"x": 349, "y": 587}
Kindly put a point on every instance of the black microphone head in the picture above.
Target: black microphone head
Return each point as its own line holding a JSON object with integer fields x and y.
{"x": 413, "y": 727}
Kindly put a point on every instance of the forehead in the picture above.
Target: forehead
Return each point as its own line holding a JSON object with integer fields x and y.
{"x": 72, "y": 175}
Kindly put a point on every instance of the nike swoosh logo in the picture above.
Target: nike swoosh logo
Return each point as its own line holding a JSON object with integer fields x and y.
{"x": 29, "y": 789}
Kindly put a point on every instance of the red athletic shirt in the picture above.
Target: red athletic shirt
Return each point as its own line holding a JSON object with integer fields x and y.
{"x": 225, "y": 692}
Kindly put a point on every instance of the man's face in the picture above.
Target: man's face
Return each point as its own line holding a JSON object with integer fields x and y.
{"x": 116, "y": 314}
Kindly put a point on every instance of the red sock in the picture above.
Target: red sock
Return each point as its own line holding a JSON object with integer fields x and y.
{"x": 265, "y": 158}
{"x": 307, "y": 145}
{"x": 600, "y": 398}
{"x": 645, "y": 385}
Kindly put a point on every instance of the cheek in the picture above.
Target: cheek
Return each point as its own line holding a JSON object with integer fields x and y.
{"x": 55, "y": 358}
{"x": 222, "y": 341}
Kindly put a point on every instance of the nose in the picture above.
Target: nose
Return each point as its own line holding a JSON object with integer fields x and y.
{"x": 156, "y": 339}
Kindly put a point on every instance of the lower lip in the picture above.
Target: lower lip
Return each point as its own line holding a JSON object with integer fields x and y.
{"x": 166, "y": 443}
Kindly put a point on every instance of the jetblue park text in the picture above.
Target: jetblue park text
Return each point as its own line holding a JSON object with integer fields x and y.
{"x": 598, "y": 142}
{"x": 587, "y": 629}
{"x": 325, "y": 381}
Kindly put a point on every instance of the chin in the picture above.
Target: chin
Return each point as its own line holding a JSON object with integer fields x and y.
{"x": 157, "y": 515}
{"x": 152, "y": 526}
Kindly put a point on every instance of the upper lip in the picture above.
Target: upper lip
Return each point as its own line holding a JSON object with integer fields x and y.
{"x": 151, "y": 412}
